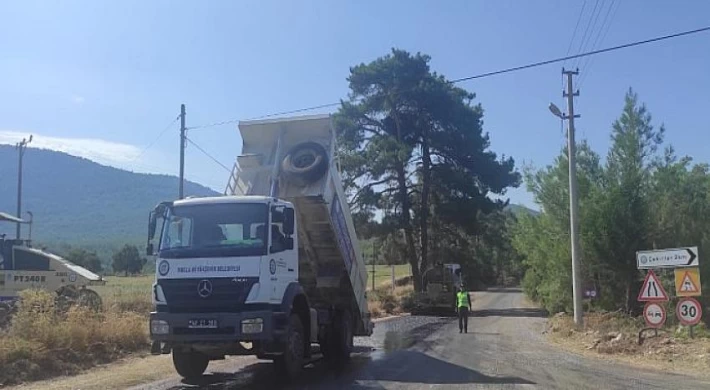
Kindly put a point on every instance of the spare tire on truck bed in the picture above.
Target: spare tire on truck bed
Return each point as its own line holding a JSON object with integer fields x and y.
{"x": 305, "y": 163}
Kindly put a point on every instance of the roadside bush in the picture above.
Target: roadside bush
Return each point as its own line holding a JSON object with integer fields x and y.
{"x": 42, "y": 342}
{"x": 408, "y": 302}
{"x": 388, "y": 301}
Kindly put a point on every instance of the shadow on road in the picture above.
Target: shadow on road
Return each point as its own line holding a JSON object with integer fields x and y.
{"x": 505, "y": 289}
{"x": 395, "y": 363}
{"x": 417, "y": 367}
{"x": 512, "y": 312}
{"x": 404, "y": 366}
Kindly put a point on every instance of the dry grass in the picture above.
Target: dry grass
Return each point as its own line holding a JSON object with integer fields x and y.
{"x": 383, "y": 274}
{"x": 127, "y": 294}
{"x": 386, "y": 302}
{"x": 42, "y": 343}
{"x": 617, "y": 335}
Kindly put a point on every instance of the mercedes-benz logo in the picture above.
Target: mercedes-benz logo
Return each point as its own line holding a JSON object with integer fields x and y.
{"x": 204, "y": 288}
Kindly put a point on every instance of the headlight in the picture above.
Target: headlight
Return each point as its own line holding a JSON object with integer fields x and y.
{"x": 252, "y": 325}
{"x": 159, "y": 327}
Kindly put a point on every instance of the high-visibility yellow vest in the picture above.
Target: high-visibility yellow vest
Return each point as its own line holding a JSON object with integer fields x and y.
{"x": 462, "y": 297}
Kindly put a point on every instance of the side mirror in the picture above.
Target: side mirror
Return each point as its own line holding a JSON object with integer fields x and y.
{"x": 152, "y": 220}
{"x": 288, "y": 243}
{"x": 149, "y": 249}
{"x": 288, "y": 223}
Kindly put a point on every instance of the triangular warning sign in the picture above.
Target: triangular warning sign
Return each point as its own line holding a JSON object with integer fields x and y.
{"x": 688, "y": 286}
{"x": 652, "y": 289}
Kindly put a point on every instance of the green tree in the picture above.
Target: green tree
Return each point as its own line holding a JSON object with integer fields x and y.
{"x": 408, "y": 133}
{"x": 622, "y": 206}
{"x": 87, "y": 259}
{"x": 544, "y": 240}
{"x": 128, "y": 260}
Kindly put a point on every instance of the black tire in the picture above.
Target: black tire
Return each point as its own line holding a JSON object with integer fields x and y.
{"x": 290, "y": 364}
{"x": 338, "y": 343}
{"x": 305, "y": 163}
{"x": 89, "y": 299}
{"x": 190, "y": 364}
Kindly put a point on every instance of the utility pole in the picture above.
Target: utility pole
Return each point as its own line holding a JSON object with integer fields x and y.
{"x": 32, "y": 217}
{"x": 373, "y": 272}
{"x": 573, "y": 202}
{"x": 182, "y": 150}
{"x": 21, "y": 147}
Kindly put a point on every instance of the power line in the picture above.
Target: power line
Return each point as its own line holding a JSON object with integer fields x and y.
{"x": 586, "y": 30}
{"x": 594, "y": 25}
{"x": 594, "y": 52}
{"x": 294, "y": 111}
{"x": 162, "y": 132}
{"x": 208, "y": 155}
{"x": 590, "y": 61}
{"x": 265, "y": 116}
{"x": 493, "y": 73}
{"x": 576, "y": 26}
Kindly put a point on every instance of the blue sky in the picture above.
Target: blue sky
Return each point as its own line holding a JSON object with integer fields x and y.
{"x": 75, "y": 72}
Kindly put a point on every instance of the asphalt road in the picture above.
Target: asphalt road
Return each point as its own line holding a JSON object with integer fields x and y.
{"x": 504, "y": 349}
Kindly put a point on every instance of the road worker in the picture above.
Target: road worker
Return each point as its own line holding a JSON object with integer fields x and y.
{"x": 463, "y": 305}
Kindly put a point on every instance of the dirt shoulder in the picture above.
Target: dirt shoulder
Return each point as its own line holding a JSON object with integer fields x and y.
{"x": 615, "y": 336}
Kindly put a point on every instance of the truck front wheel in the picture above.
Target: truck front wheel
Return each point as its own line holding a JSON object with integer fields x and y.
{"x": 189, "y": 364}
{"x": 290, "y": 363}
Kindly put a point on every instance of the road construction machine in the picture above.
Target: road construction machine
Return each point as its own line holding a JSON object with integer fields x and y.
{"x": 271, "y": 269}
{"x": 440, "y": 284}
{"x": 23, "y": 267}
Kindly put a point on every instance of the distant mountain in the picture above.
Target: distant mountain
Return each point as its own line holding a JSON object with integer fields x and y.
{"x": 80, "y": 202}
{"x": 518, "y": 209}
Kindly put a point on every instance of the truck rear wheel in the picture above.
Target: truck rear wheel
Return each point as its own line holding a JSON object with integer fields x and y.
{"x": 339, "y": 342}
{"x": 190, "y": 364}
{"x": 290, "y": 363}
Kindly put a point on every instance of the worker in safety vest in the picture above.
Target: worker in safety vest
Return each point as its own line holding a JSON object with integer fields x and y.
{"x": 463, "y": 304}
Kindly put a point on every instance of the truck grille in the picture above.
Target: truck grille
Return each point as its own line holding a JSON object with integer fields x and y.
{"x": 227, "y": 294}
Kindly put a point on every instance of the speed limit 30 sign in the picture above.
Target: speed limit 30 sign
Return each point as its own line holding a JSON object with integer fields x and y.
{"x": 689, "y": 311}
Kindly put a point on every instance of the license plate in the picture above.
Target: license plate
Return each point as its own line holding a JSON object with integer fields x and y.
{"x": 202, "y": 323}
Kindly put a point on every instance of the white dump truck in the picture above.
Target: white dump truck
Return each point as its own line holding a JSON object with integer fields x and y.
{"x": 270, "y": 268}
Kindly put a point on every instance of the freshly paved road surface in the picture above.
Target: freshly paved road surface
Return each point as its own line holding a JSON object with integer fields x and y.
{"x": 504, "y": 349}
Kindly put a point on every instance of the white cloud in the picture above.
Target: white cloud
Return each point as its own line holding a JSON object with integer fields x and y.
{"x": 115, "y": 154}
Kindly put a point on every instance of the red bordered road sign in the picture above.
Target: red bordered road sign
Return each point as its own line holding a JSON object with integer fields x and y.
{"x": 652, "y": 289}
{"x": 689, "y": 311}
{"x": 654, "y": 314}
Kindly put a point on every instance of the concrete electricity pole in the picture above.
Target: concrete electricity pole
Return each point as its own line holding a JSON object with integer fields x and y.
{"x": 182, "y": 151}
{"x": 21, "y": 147}
{"x": 573, "y": 200}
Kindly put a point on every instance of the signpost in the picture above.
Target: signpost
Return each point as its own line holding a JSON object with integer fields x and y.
{"x": 668, "y": 258}
{"x": 685, "y": 262}
{"x": 654, "y": 314}
{"x": 652, "y": 289}
{"x": 687, "y": 282}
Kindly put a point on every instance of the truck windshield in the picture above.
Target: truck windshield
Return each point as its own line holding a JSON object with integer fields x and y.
{"x": 214, "y": 230}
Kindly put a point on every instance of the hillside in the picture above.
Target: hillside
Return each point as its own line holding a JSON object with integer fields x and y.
{"x": 80, "y": 202}
{"x": 518, "y": 209}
